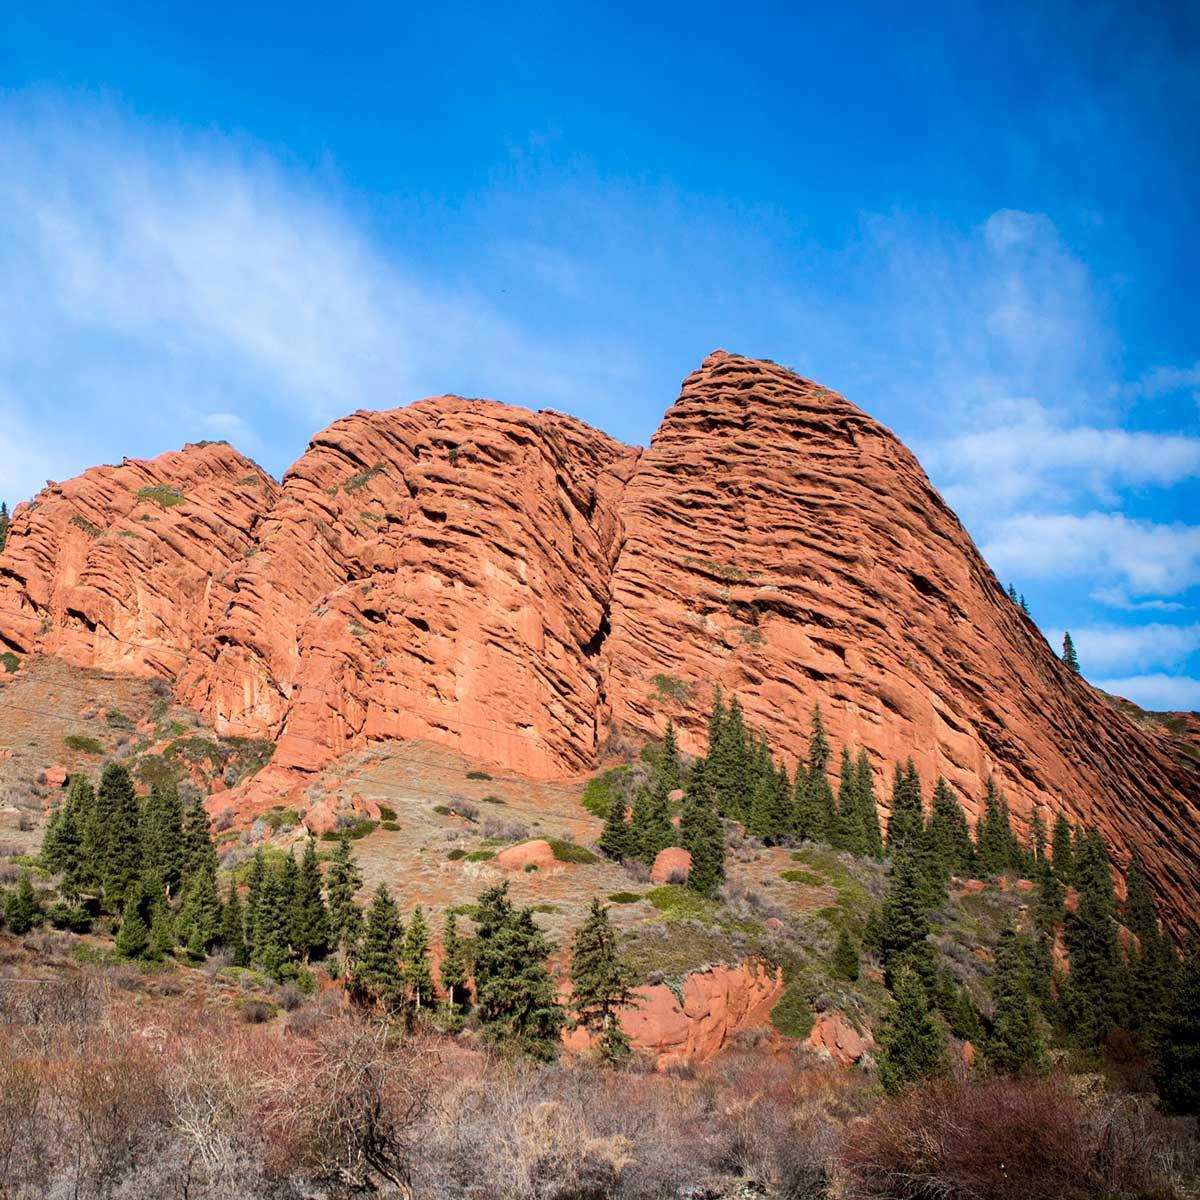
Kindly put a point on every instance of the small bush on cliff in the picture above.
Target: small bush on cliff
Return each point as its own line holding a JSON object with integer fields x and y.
{"x": 162, "y": 494}
{"x": 793, "y": 1014}
{"x": 569, "y": 852}
{"x": 83, "y": 743}
{"x": 9, "y": 661}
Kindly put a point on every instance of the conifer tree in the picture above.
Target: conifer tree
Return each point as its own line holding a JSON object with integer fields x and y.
{"x": 904, "y": 932}
{"x": 1060, "y": 849}
{"x": 271, "y": 942}
{"x": 1016, "y": 1043}
{"x": 701, "y": 834}
{"x": 1150, "y": 968}
{"x": 616, "y": 838}
{"x": 310, "y": 920}
{"x": 1092, "y": 1000}
{"x": 1048, "y": 905}
{"x": 910, "y": 1041}
{"x": 198, "y": 926}
{"x": 1068, "y": 653}
{"x": 949, "y": 833}
{"x": 816, "y": 813}
{"x": 120, "y": 839}
{"x": 997, "y": 850}
{"x": 772, "y": 811}
{"x": 162, "y": 835}
{"x": 233, "y": 928}
{"x": 908, "y": 816}
{"x": 602, "y": 983}
{"x": 845, "y": 956}
{"x": 255, "y": 879}
{"x": 1012, "y": 593}
{"x": 650, "y": 828}
{"x": 62, "y": 845}
{"x": 851, "y": 829}
{"x": 342, "y": 883}
{"x": 133, "y": 937}
{"x": 198, "y": 850}
{"x": 964, "y": 1019}
{"x": 1037, "y": 836}
{"x": 1178, "y": 1066}
{"x": 418, "y": 974}
{"x": 1024, "y": 605}
{"x": 728, "y": 764}
{"x": 289, "y": 881}
{"x": 453, "y": 969}
{"x": 667, "y": 765}
{"x": 162, "y": 927}
{"x": 868, "y": 806}
{"x": 514, "y": 993}
{"x": 378, "y": 972}
{"x": 3, "y": 524}
{"x": 22, "y": 909}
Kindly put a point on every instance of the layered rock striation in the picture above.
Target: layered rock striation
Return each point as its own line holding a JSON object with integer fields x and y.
{"x": 523, "y": 588}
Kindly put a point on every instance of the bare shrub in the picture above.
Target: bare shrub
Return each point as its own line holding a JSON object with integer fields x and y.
{"x": 460, "y": 806}
{"x": 504, "y": 831}
{"x": 636, "y": 870}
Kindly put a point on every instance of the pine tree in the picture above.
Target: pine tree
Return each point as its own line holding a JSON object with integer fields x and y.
{"x": 255, "y": 880}
{"x": 1037, "y": 836}
{"x": 418, "y": 974}
{"x": 62, "y": 845}
{"x": 453, "y": 969}
{"x": 22, "y": 910}
{"x": 667, "y": 765}
{"x": 650, "y": 827}
{"x": 121, "y": 862}
{"x": 1016, "y": 1043}
{"x": 198, "y": 851}
{"x": 133, "y": 937}
{"x": 868, "y": 806}
{"x": 162, "y": 927}
{"x": 289, "y": 881}
{"x": 616, "y": 839}
{"x": 845, "y": 957}
{"x": 908, "y": 816}
{"x": 964, "y": 1019}
{"x": 310, "y": 920}
{"x": 602, "y": 984}
{"x": 271, "y": 945}
{"x": 816, "y": 810}
{"x": 1060, "y": 849}
{"x": 1150, "y": 968}
{"x": 514, "y": 993}
{"x": 1024, "y": 605}
{"x": 378, "y": 972}
{"x": 162, "y": 835}
{"x": 997, "y": 850}
{"x": 1048, "y": 906}
{"x": 1092, "y": 1001}
{"x": 910, "y": 1042}
{"x": 1178, "y": 1066}
{"x": 851, "y": 830}
{"x": 233, "y": 928}
{"x": 701, "y": 834}
{"x": 1012, "y": 593}
{"x": 3, "y": 525}
{"x": 904, "y": 932}
{"x": 773, "y": 815}
{"x": 1068, "y": 653}
{"x": 949, "y": 834}
{"x": 728, "y": 765}
{"x": 342, "y": 883}
{"x": 199, "y": 924}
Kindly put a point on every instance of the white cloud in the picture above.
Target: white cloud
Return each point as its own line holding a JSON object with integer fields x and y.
{"x": 1164, "y": 381}
{"x": 1109, "y": 649}
{"x": 1157, "y": 692}
{"x": 1117, "y": 597}
{"x": 1145, "y": 557}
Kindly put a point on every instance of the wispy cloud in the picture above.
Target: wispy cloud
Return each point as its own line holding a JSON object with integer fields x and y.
{"x": 1157, "y": 692}
{"x": 1125, "y": 649}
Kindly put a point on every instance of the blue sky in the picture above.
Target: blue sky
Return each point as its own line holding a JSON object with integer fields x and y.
{"x": 978, "y": 222}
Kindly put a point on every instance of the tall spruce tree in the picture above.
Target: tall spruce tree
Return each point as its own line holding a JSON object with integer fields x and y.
{"x": 650, "y": 827}
{"x": 911, "y": 1044}
{"x": 453, "y": 969}
{"x": 198, "y": 926}
{"x": 602, "y": 983}
{"x": 701, "y": 833}
{"x": 22, "y": 909}
{"x": 1178, "y": 1059}
{"x": 667, "y": 764}
{"x": 816, "y": 809}
{"x": 514, "y": 993}
{"x": 62, "y": 846}
{"x": 418, "y": 973}
{"x": 121, "y": 866}
{"x": 1016, "y": 1044}
{"x": 272, "y": 924}
{"x": 1150, "y": 965}
{"x": 729, "y": 766}
{"x": 1037, "y": 836}
{"x": 1068, "y": 653}
{"x": 904, "y": 931}
{"x": 617, "y": 838}
{"x": 997, "y": 851}
{"x": 198, "y": 848}
{"x": 1060, "y": 849}
{"x": 310, "y": 919}
{"x": 162, "y": 835}
{"x": 254, "y": 893}
{"x": 868, "y": 804}
{"x": 907, "y": 820}
{"x": 342, "y": 884}
{"x": 845, "y": 956}
{"x": 1092, "y": 1001}
{"x": 378, "y": 973}
{"x": 233, "y": 928}
{"x": 133, "y": 936}
{"x": 949, "y": 834}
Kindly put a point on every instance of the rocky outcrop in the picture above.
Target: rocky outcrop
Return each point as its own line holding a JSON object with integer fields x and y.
{"x": 124, "y": 567}
{"x": 691, "y": 1025}
{"x": 672, "y": 865}
{"x": 833, "y": 1037}
{"x": 522, "y": 588}
{"x": 537, "y": 853}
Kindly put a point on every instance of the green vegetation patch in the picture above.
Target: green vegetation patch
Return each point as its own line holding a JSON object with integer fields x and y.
{"x": 457, "y": 853}
{"x": 282, "y": 818}
{"x": 600, "y": 793}
{"x": 676, "y": 902}
{"x": 93, "y": 531}
{"x": 386, "y": 813}
{"x": 84, "y": 743}
{"x": 362, "y": 478}
{"x": 793, "y": 1015}
{"x": 669, "y": 687}
{"x": 569, "y": 852}
{"x": 442, "y": 810}
{"x": 478, "y": 775}
{"x": 359, "y": 828}
{"x": 116, "y": 719}
{"x": 391, "y": 826}
{"x": 9, "y": 661}
{"x": 733, "y": 574}
{"x": 624, "y": 897}
{"x": 493, "y": 800}
{"x": 249, "y": 481}
{"x": 162, "y": 494}
{"x": 808, "y": 878}
{"x": 480, "y": 855}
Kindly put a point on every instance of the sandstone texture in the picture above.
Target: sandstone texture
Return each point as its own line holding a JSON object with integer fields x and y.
{"x": 672, "y": 865}
{"x": 537, "y": 853}
{"x": 527, "y": 591}
{"x": 835, "y": 1038}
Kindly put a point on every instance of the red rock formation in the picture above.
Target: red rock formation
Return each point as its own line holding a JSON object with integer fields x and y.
{"x": 835, "y": 1038}
{"x": 520, "y": 587}
{"x": 672, "y": 865}
{"x": 537, "y": 853}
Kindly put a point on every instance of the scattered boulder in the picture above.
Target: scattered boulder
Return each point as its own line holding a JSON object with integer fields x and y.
{"x": 671, "y": 864}
{"x": 1025, "y": 886}
{"x": 537, "y": 853}
{"x": 835, "y": 1038}
{"x": 320, "y": 819}
{"x": 972, "y": 887}
{"x": 55, "y": 776}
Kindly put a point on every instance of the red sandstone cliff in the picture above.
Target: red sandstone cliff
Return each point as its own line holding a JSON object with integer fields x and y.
{"x": 519, "y": 586}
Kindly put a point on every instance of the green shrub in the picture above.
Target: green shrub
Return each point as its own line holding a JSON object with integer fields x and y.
{"x": 83, "y": 743}
{"x": 442, "y": 810}
{"x": 358, "y": 828}
{"x": 480, "y": 855}
{"x": 493, "y": 800}
{"x": 116, "y": 719}
{"x": 386, "y": 813}
{"x": 670, "y": 688}
{"x": 457, "y": 853}
{"x": 362, "y": 478}
{"x": 282, "y": 818}
{"x": 677, "y": 901}
{"x": 162, "y": 494}
{"x": 9, "y": 661}
{"x": 600, "y": 792}
{"x": 569, "y": 852}
{"x": 793, "y": 1015}
{"x": 391, "y": 826}
{"x": 624, "y": 897}
{"x": 809, "y": 878}
{"x": 530, "y": 868}
{"x": 478, "y": 775}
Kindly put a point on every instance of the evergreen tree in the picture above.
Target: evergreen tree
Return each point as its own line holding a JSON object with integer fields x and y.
{"x": 773, "y": 817}
{"x": 948, "y": 833}
{"x": 121, "y": 862}
{"x": 199, "y": 924}
{"x": 702, "y": 835}
{"x": 650, "y": 828}
{"x": 1024, "y": 605}
{"x": 418, "y": 974}
{"x": 868, "y": 806}
{"x": 616, "y": 839}
{"x": 910, "y": 1042}
{"x": 310, "y": 920}
{"x": 851, "y": 831}
{"x": 602, "y": 984}
{"x": 3, "y": 525}
{"x": 22, "y": 910}
{"x": 1178, "y": 1066}
{"x": 908, "y": 817}
{"x": 997, "y": 849}
{"x": 1048, "y": 907}
{"x": 1016, "y": 1043}
{"x": 133, "y": 937}
{"x": 271, "y": 920}
{"x": 62, "y": 845}
{"x": 343, "y": 882}
{"x": 1060, "y": 849}
{"x": 233, "y": 928}
{"x": 904, "y": 933}
{"x": 514, "y": 993}
{"x": 816, "y": 810}
{"x": 255, "y": 880}
{"x": 845, "y": 957}
{"x": 1068, "y": 653}
{"x": 964, "y": 1019}
{"x": 1037, "y": 836}
{"x": 1092, "y": 999}
{"x": 198, "y": 851}
{"x": 162, "y": 927}
{"x": 1150, "y": 967}
{"x": 453, "y": 969}
{"x": 289, "y": 882}
{"x": 667, "y": 765}
{"x": 162, "y": 835}
{"x": 378, "y": 972}
{"x": 728, "y": 763}
{"x": 1012, "y": 593}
